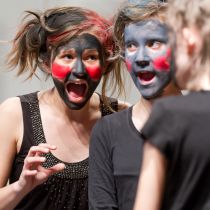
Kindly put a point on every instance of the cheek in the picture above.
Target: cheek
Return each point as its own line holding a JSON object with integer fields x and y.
{"x": 161, "y": 63}
{"x": 60, "y": 71}
{"x": 94, "y": 72}
{"x": 128, "y": 65}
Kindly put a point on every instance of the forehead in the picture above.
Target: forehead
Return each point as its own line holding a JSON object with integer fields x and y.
{"x": 146, "y": 29}
{"x": 82, "y": 42}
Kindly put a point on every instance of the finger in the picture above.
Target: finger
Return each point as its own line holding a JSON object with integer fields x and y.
{"x": 33, "y": 162}
{"x": 49, "y": 146}
{"x": 37, "y": 149}
{"x": 44, "y": 173}
{"x": 29, "y": 173}
{"x": 56, "y": 168}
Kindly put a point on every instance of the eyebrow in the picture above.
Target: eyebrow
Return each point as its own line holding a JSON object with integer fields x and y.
{"x": 91, "y": 50}
{"x": 69, "y": 50}
{"x": 155, "y": 37}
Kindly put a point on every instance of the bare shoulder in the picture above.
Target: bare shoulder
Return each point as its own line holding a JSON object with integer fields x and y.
{"x": 11, "y": 107}
{"x": 10, "y": 129}
{"x": 123, "y": 105}
{"x": 11, "y": 115}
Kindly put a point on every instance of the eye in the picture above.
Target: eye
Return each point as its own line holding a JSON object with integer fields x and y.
{"x": 92, "y": 57}
{"x": 154, "y": 44}
{"x": 67, "y": 57}
{"x": 131, "y": 47}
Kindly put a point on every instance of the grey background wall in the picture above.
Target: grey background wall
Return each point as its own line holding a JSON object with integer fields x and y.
{"x": 11, "y": 12}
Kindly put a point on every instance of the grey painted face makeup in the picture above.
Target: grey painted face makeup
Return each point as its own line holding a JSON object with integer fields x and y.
{"x": 145, "y": 42}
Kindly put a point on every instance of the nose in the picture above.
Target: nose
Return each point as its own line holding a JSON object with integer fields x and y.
{"x": 79, "y": 69}
{"x": 142, "y": 59}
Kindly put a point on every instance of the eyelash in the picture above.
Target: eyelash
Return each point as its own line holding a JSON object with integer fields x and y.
{"x": 131, "y": 46}
{"x": 68, "y": 56}
{"x": 92, "y": 57}
{"x": 150, "y": 43}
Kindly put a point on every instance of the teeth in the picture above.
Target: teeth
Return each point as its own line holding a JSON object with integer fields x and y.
{"x": 77, "y": 82}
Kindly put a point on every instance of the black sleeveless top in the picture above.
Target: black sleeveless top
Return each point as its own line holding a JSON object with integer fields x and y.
{"x": 64, "y": 190}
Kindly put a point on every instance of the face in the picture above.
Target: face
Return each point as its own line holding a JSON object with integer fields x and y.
{"x": 146, "y": 56}
{"x": 77, "y": 70}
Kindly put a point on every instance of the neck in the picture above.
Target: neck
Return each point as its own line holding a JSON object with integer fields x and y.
{"x": 53, "y": 98}
{"x": 141, "y": 112}
{"x": 142, "y": 108}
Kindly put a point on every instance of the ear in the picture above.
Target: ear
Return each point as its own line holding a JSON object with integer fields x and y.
{"x": 45, "y": 67}
{"x": 192, "y": 40}
{"x": 44, "y": 63}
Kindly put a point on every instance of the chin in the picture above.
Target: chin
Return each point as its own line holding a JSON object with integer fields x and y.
{"x": 153, "y": 95}
{"x": 75, "y": 106}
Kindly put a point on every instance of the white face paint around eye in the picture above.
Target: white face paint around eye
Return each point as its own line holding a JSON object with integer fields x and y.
{"x": 145, "y": 43}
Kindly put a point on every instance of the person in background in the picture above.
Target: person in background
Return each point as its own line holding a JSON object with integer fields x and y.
{"x": 176, "y": 166}
{"x": 116, "y": 141}
{"x": 44, "y": 136}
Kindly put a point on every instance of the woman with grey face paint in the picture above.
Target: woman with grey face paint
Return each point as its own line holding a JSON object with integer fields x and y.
{"x": 44, "y": 136}
{"x": 116, "y": 141}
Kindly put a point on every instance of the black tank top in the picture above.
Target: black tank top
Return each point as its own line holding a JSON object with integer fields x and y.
{"x": 63, "y": 190}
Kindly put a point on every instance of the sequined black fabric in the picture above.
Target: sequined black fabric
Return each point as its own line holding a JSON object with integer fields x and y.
{"x": 64, "y": 190}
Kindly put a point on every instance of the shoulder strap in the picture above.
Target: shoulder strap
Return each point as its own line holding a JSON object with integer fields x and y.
{"x": 28, "y": 137}
{"x": 105, "y": 109}
{"x": 32, "y": 115}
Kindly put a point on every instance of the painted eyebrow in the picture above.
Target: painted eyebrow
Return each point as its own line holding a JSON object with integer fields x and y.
{"x": 94, "y": 50}
{"x": 130, "y": 41}
{"x": 157, "y": 38}
{"x": 91, "y": 49}
{"x": 63, "y": 51}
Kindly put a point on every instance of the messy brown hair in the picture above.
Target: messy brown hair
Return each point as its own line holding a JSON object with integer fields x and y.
{"x": 41, "y": 33}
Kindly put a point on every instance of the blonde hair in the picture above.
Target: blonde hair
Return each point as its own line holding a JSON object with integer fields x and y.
{"x": 132, "y": 12}
{"x": 135, "y": 12}
{"x": 196, "y": 14}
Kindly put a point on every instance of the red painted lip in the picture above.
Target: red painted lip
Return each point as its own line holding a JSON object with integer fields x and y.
{"x": 76, "y": 90}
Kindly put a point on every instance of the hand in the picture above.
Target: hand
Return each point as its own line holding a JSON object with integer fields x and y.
{"x": 33, "y": 172}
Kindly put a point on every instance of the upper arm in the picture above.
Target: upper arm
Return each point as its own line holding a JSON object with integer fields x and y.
{"x": 152, "y": 179}
{"x": 10, "y": 126}
{"x": 101, "y": 190}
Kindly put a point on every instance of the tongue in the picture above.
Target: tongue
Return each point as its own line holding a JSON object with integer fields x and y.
{"x": 146, "y": 76}
{"x": 76, "y": 90}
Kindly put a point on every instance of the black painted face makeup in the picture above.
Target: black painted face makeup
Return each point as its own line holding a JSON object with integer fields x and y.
{"x": 77, "y": 70}
{"x": 147, "y": 56}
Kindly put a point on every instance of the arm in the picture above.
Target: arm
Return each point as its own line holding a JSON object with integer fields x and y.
{"x": 101, "y": 189}
{"x": 151, "y": 184}
{"x": 11, "y": 129}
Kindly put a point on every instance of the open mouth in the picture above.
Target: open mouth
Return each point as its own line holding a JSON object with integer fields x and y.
{"x": 76, "y": 90}
{"x": 146, "y": 77}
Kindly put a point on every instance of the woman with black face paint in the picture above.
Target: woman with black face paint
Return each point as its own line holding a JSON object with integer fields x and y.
{"x": 116, "y": 141}
{"x": 44, "y": 136}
